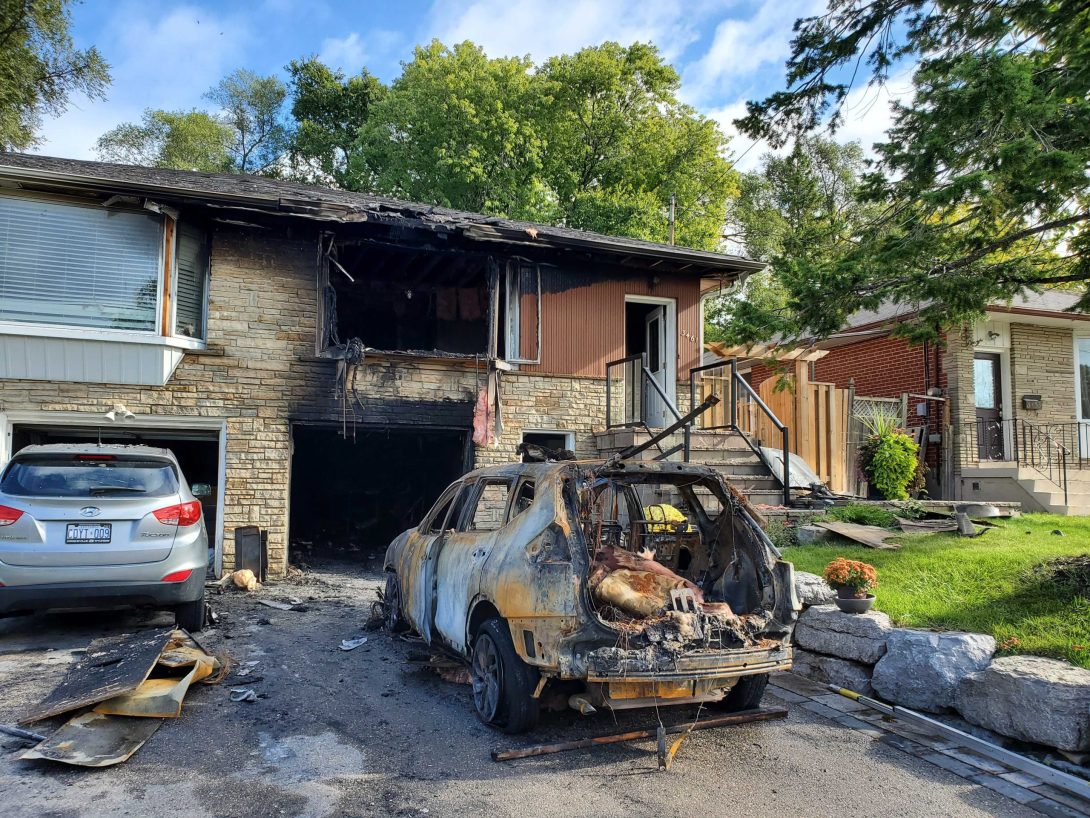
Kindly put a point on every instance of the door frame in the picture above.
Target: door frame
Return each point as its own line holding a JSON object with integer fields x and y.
{"x": 1083, "y": 424}
{"x": 12, "y": 418}
{"x": 670, "y": 336}
{"x": 1004, "y": 354}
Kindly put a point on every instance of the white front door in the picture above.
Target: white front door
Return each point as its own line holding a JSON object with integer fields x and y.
{"x": 655, "y": 344}
{"x": 1082, "y": 396}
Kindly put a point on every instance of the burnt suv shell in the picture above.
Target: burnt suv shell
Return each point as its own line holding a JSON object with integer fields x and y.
{"x": 500, "y": 571}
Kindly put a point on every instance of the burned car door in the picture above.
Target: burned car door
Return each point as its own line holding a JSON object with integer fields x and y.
{"x": 461, "y": 556}
{"x": 416, "y": 569}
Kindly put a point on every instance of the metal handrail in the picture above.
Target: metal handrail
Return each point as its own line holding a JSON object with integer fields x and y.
{"x": 737, "y": 381}
{"x": 1030, "y": 444}
{"x": 609, "y": 391}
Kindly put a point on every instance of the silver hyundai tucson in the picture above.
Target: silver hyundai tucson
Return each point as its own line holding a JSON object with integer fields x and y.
{"x": 100, "y": 526}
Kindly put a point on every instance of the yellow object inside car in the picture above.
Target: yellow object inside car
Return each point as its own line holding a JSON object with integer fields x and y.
{"x": 669, "y": 519}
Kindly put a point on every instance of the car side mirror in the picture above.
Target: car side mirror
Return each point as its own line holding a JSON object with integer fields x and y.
{"x": 201, "y": 489}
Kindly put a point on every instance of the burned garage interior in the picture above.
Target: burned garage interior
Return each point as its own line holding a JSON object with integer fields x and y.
{"x": 351, "y": 494}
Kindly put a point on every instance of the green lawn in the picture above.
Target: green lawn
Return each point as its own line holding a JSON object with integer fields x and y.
{"x": 986, "y": 584}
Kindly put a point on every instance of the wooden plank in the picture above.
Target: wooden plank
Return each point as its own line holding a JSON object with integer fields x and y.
{"x": 168, "y": 276}
{"x": 869, "y": 535}
{"x": 113, "y": 665}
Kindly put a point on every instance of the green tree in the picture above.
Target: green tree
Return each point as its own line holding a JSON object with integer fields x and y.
{"x": 328, "y": 110}
{"x": 798, "y": 211}
{"x": 40, "y": 68}
{"x": 185, "y": 140}
{"x": 458, "y": 129}
{"x": 253, "y": 107}
{"x": 619, "y": 144}
{"x": 983, "y": 181}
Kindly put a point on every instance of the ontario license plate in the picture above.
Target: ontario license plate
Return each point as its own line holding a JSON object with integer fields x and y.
{"x": 88, "y": 533}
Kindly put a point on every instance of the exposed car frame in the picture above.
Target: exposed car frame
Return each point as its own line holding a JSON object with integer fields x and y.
{"x": 516, "y": 602}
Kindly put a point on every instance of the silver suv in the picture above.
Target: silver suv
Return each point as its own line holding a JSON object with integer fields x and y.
{"x": 92, "y": 527}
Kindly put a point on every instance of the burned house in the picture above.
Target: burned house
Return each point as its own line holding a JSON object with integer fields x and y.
{"x": 327, "y": 362}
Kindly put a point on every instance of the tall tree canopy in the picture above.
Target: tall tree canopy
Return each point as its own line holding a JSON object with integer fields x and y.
{"x": 40, "y": 68}
{"x": 248, "y": 133}
{"x": 328, "y": 110}
{"x": 253, "y": 108}
{"x": 982, "y": 184}
{"x": 798, "y": 211}
{"x": 596, "y": 140}
{"x": 185, "y": 140}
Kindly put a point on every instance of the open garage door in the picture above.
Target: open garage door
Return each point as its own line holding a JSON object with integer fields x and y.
{"x": 351, "y": 497}
{"x": 197, "y": 450}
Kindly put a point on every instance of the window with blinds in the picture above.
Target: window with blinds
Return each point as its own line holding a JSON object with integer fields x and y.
{"x": 78, "y": 266}
{"x": 191, "y": 281}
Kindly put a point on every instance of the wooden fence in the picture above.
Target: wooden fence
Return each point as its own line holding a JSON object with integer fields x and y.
{"x": 817, "y": 415}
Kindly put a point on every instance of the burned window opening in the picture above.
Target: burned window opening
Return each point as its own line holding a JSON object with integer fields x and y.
{"x": 407, "y": 300}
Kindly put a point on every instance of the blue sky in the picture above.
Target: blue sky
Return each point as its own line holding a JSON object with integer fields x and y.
{"x": 167, "y": 56}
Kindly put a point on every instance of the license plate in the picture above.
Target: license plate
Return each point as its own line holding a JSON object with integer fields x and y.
{"x": 88, "y": 533}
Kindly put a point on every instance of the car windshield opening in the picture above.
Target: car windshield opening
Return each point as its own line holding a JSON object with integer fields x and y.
{"x": 73, "y": 475}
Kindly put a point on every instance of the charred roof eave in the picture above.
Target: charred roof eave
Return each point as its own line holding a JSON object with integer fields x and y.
{"x": 247, "y": 193}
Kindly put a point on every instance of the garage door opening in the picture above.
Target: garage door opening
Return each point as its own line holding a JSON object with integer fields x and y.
{"x": 350, "y": 498}
{"x": 197, "y": 452}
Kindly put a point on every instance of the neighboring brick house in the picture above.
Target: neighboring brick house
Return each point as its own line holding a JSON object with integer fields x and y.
{"x": 1018, "y": 387}
{"x": 325, "y": 361}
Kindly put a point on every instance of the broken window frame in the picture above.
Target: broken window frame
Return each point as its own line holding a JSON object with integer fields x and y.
{"x": 513, "y": 293}
{"x": 464, "y": 525}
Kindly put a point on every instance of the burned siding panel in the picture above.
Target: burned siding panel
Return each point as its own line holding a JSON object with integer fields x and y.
{"x": 583, "y": 320}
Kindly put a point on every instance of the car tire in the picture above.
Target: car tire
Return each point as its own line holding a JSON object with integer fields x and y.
{"x": 746, "y": 694}
{"x": 190, "y": 615}
{"x": 392, "y": 618}
{"x": 503, "y": 684}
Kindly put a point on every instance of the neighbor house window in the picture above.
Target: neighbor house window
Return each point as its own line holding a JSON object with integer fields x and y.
{"x": 191, "y": 288}
{"x": 79, "y": 266}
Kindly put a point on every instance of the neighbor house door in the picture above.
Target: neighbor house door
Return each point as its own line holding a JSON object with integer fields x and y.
{"x": 987, "y": 383}
{"x": 1082, "y": 399}
{"x": 655, "y": 335}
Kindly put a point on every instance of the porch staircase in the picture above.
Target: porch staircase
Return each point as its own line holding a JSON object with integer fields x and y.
{"x": 1036, "y": 491}
{"x": 725, "y": 451}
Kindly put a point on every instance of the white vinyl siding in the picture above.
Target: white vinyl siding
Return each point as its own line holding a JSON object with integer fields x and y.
{"x": 191, "y": 281}
{"x": 78, "y": 266}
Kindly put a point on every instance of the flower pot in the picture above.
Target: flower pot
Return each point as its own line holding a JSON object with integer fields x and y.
{"x": 855, "y": 606}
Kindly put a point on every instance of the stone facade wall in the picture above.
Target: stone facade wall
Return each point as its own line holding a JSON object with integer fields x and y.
{"x": 1040, "y": 361}
{"x": 259, "y": 373}
{"x": 1043, "y": 363}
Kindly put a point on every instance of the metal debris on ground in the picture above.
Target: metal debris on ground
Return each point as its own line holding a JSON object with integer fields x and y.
{"x": 19, "y": 732}
{"x": 243, "y": 694}
{"x": 743, "y": 717}
{"x": 1068, "y": 783}
{"x": 869, "y": 535}
{"x": 352, "y": 644}
{"x": 132, "y": 683}
{"x": 291, "y": 604}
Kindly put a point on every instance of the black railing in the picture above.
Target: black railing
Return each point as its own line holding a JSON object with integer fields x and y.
{"x": 1016, "y": 440}
{"x": 737, "y": 386}
{"x": 629, "y": 377}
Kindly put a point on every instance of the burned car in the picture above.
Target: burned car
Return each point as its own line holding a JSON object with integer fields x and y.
{"x": 587, "y": 584}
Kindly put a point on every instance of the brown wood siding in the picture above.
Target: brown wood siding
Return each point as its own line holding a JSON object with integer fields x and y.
{"x": 583, "y": 321}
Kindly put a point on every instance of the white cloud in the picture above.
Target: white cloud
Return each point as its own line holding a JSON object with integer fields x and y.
{"x": 742, "y": 47}
{"x": 157, "y": 62}
{"x": 352, "y": 52}
{"x": 868, "y": 110}
{"x": 543, "y": 28}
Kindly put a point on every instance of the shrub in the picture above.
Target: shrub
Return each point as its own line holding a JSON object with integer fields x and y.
{"x": 889, "y": 457}
{"x": 858, "y": 577}
{"x": 863, "y": 515}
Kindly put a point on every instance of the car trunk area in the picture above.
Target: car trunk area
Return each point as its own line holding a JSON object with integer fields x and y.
{"x": 353, "y": 490}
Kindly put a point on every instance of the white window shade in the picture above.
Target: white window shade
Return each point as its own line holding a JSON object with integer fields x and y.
{"x": 191, "y": 281}
{"x": 78, "y": 266}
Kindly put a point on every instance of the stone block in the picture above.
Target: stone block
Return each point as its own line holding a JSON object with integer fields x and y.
{"x": 858, "y": 637}
{"x": 812, "y": 589}
{"x": 833, "y": 671}
{"x": 922, "y": 669}
{"x": 1030, "y": 698}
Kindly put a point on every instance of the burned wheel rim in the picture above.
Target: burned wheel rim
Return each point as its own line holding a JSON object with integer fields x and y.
{"x": 486, "y": 674}
{"x": 392, "y": 598}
